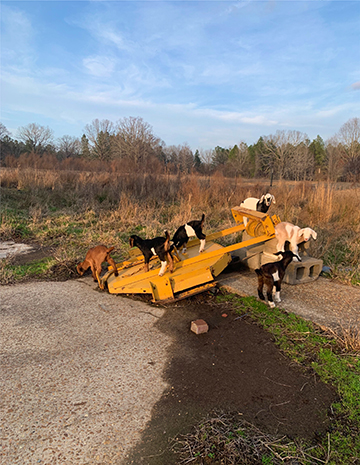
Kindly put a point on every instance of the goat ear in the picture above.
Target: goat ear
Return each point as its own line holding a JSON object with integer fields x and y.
{"x": 301, "y": 232}
{"x": 262, "y": 198}
{"x": 314, "y": 234}
{"x": 273, "y": 199}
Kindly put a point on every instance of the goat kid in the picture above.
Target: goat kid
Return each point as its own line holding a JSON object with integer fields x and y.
{"x": 190, "y": 229}
{"x": 260, "y": 205}
{"x": 94, "y": 258}
{"x": 159, "y": 246}
{"x": 285, "y": 231}
{"x": 272, "y": 274}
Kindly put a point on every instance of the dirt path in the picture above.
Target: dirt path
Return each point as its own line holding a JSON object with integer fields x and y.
{"x": 324, "y": 301}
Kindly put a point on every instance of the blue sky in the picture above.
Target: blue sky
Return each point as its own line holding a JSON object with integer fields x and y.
{"x": 205, "y": 73}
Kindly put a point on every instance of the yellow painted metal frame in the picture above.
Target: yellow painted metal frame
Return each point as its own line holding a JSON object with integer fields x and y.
{"x": 195, "y": 272}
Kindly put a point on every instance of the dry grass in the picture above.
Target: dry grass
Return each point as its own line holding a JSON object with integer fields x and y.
{"x": 347, "y": 337}
{"x": 227, "y": 439}
{"x": 80, "y": 209}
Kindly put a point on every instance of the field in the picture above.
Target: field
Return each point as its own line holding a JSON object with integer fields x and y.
{"x": 66, "y": 212}
{"x": 71, "y": 211}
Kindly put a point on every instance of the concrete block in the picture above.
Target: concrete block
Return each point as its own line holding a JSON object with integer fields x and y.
{"x": 199, "y": 327}
{"x": 305, "y": 271}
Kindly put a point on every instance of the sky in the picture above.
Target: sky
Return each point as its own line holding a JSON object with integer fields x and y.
{"x": 202, "y": 73}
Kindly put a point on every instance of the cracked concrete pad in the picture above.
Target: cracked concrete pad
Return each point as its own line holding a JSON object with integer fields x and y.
{"x": 80, "y": 373}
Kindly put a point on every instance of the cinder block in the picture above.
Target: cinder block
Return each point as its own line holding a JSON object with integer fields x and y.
{"x": 305, "y": 271}
{"x": 199, "y": 327}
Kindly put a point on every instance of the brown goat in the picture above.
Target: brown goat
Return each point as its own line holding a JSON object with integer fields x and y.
{"x": 94, "y": 258}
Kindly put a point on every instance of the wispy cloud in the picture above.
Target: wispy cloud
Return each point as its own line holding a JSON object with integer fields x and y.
{"x": 99, "y": 66}
{"x": 202, "y": 72}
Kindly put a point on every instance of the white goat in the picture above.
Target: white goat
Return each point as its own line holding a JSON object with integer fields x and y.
{"x": 285, "y": 231}
{"x": 261, "y": 205}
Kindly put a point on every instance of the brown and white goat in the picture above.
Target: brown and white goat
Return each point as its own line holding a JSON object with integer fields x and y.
{"x": 94, "y": 258}
{"x": 272, "y": 274}
{"x": 159, "y": 246}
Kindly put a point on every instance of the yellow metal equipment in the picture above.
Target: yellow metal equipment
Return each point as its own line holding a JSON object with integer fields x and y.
{"x": 194, "y": 272}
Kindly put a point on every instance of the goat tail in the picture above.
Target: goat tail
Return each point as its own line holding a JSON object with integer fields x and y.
{"x": 202, "y": 219}
{"x": 167, "y": 245}
{"x": 110, "y": 249}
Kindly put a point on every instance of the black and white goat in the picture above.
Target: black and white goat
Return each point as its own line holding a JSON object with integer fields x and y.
{"x": 261, "y": 205}
{"x": 159, "y": 246}
{"x": 272, "y": 274}
{"x": 190, "y": 229}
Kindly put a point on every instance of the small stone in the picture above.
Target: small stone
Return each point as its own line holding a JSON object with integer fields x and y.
{"x": 199, "y": 327}
{"x": 224, "y": 315}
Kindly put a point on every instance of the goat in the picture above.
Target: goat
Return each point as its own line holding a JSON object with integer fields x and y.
{"x": 192, "y": 228}
{"x": 285, "y": 231}
{"x": 272, "y": 274}
{"x": 159, "y": 246}
{"x": 260, "y": 205}
{"x": 94, "y": 258}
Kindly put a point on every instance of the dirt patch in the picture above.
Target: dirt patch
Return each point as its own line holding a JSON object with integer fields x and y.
{"x": 61, "y": 271}
{"x": 234, "y": 367}
{"x": 36, "y": 253}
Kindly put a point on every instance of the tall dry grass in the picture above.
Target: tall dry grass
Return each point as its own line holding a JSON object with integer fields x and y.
{"x": 78, "y": 209}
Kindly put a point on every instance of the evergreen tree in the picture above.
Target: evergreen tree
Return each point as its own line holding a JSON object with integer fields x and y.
{"x": 317, "y": 148}
{"x": 197, "y": 161}
{"x": 85, "y": 149}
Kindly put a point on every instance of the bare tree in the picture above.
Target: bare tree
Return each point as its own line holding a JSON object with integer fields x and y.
{"x": 68, "y": 146}
{"x": 279, "y": 151}
{"x": 348, "y": 139}
{"x": 179, "y": 158}
{"x": 334, "y": 159}
{"x": 93, "y": 129}
{"x": 35, "y": 136}
{"x": 3, "y": 131}
{"x": 206, "y": 157}
{"x": 238, "y": 159}
{"x": 135, "y": 140}
{"x": 99, "y": 134}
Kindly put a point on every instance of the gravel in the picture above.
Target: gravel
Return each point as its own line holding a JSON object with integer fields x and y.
{"x": 323, "y": 301}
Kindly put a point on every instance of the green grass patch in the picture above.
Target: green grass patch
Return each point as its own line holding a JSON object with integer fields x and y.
{"x": 16, "y": 273}
{"x": 314, "y": 349}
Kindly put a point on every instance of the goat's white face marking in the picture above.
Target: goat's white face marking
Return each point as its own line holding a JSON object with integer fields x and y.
{"x": 308, "y": 233}
{"x": 202, "y": 245}
{"x": 268, "y": 199}
{"x": 163, "y": 268}
{"x": 276, "y": 276}
{"x": 153, "y": 251}
{"x": 189, "y": 230}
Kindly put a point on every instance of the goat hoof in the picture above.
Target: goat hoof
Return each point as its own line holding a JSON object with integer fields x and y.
{"x": 271, "y": 304}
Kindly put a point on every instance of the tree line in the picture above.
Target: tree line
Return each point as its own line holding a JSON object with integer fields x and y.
{"x": 130, "y": 144}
